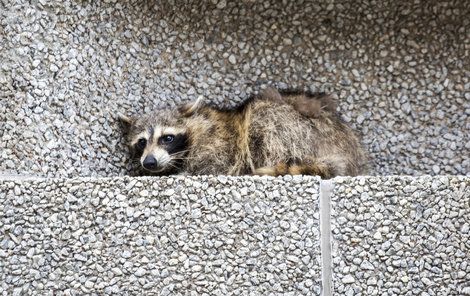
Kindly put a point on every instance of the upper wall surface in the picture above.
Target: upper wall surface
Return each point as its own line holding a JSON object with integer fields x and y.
{"x": 400, "y": 69}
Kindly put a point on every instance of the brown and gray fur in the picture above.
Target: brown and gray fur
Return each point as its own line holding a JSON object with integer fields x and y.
{"x": 274, "y": 133}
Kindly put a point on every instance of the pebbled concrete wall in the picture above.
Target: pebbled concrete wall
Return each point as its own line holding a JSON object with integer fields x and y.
{"x": 401, "y": 236}
{"x": 231, "y": 236}
{"x": 160, "y": 236}
{"x": 400, "y": 69}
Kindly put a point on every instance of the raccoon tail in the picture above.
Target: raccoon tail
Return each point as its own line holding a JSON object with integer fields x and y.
{"x": 326, "y": 168}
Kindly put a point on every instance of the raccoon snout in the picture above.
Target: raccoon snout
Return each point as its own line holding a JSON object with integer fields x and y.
{"x": 150, "y": 163}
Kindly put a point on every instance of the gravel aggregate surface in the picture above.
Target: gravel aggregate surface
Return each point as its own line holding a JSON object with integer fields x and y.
{"x": 399, "y": 68}
{"x": 160, "y": 236}
{"x": 401, "y": 236}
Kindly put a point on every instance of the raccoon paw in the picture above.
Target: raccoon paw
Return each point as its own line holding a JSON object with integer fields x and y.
{"x": 317, "y": 168}
{"x": 265, "y": 171}
{"x": 277, "y": 170}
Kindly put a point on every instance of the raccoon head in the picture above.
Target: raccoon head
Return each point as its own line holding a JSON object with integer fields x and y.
{"x": 158, "y": 142}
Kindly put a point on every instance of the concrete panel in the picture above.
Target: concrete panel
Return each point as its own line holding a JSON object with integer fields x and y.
{"x": 167, "y": 236}
{"x": 401, "y": 236}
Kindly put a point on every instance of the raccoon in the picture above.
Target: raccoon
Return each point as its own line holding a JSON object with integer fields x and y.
{"x": 273, "y": 133}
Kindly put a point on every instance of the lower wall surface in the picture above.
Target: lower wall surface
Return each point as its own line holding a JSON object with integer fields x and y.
{"x": 214, "y": 235}
{"x": 235, "y": 236}
{"x": 401, "y": 236}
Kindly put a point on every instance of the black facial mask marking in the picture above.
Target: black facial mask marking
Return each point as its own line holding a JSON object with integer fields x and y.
{"x": 179, "y": 143}
{"x": 137, "y": 151}
{"x": 175, "y": 148}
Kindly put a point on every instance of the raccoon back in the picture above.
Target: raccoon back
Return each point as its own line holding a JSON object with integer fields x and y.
{"x": 278, "y": 133}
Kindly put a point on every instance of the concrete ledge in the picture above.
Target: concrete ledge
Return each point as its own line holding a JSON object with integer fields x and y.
{"x": 223, "y": 235}
{"x": 215, "y": 235}
{"x": 401, "y": 236}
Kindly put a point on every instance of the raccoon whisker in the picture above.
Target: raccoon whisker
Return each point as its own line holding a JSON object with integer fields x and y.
{"x": 173, "y": 166}
{"x": 176, "y": 156}
{"x": 179, "y": 152}
{"x": 180, "y": 155}
{"x": 182, "y": 158}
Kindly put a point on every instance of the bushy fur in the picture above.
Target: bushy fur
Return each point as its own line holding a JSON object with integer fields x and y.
{"x": 270, "y": 134}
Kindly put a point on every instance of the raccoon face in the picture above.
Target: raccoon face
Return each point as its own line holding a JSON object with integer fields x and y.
{"x": 158, "y": 146}
{"x": 161, "y": 149}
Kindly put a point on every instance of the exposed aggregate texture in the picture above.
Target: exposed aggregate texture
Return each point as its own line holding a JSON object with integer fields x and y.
{"x": 400, "y": 69}
{"x": 160, "y": 236}
{"x": 401, "y": 236}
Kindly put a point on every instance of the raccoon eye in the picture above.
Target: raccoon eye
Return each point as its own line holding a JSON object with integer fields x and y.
{"x": 141, "y": 143}
{"x": 167, "y": 139}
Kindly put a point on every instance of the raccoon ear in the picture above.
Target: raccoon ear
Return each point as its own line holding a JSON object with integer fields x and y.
{"x": 328, "y": 102}
{"x": 126, "y": 122}
{"x": 190, "y": 108}
{"x": 270, "y": 93}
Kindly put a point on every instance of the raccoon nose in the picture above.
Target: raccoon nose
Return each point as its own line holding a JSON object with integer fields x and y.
{"x": 150, "y": 163}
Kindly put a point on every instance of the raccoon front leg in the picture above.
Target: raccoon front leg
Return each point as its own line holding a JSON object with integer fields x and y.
{"x": 326, "y": 168}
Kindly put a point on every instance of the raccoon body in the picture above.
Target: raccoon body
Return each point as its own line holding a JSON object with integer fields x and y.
{"x": 270, "y": 134}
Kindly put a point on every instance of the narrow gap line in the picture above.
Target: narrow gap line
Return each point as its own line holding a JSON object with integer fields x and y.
{"x": 326, "y": 190}
{"x": 18, "y": 177}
